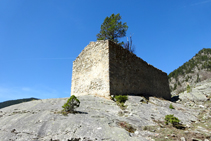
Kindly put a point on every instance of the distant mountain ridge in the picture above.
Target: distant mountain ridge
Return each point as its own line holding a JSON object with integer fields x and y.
{"x": 195, "y": 70}
{"x": 13, "y": 102}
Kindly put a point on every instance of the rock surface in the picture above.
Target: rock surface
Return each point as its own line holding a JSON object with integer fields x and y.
{"x": 200, "y": 92}
{"x": 97, "y": 119}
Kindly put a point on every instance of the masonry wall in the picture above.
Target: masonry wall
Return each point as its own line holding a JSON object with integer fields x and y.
{"x": 131, "y": 75}
{"x": 104, "y": 68}
{"x": 91, "y": 71}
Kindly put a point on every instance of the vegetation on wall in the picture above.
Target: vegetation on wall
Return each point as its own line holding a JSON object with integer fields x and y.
{"x": 129, "y": 45}
{"x": 113, "y": 29}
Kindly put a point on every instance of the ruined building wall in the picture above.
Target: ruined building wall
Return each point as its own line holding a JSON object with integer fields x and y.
{"x": 129, "y": 74}
{"x": 90, "y": 73}
{"x": 104, "y": 68}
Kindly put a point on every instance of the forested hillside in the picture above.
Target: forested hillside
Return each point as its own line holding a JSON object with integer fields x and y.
{"x": 195, "y": 70}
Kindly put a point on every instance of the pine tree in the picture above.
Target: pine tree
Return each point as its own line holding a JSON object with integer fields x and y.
{"x": 112, "y": 29}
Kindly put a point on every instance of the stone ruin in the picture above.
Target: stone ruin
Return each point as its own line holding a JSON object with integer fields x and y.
{"x": 104, "y": 68}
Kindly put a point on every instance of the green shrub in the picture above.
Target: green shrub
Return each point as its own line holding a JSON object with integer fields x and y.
{"x": 173, "y": 120}
{"x": 70, "y": 105}
{"x": 171, "y": 106}
{"x": 121, "y": 98}
{"x": 188, "y": 89}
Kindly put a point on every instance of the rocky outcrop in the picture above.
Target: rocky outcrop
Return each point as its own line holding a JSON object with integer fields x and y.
{"x": 199, "y": 92}
{"x": 96, "y": 119}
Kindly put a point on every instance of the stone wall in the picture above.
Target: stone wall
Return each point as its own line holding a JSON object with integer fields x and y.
{"x": 104, "y": 68}
{"x": 90, "y": 73}
{"x": 129, "y": 74}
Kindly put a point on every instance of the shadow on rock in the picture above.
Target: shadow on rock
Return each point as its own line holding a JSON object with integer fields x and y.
{"x": 79, "y": 112}
{"x": 175, "y": 98}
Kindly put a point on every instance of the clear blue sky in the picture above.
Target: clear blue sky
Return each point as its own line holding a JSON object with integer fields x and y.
{"x": 39, "y": 39}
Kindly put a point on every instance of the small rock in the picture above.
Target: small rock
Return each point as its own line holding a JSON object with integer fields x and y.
{"x": 186, "y": 132}
{"x": 205, "y": 117}
{"x": 206, "y": 140}
{"x": 136, "y": 132}
{"x": 173, "y": 135}
{"x": 195, "y": 139}
{"x": 13, "y": 130}
{"x": 120, "y": 113}
{"x": 143, "y": 100}
{"x": 201, "y": 106}
{"x": 161, "y": 125}
{"x": 75, "y": 139}
{"x": 39, "y": 121}
{"x": 193, "y": 121}
{"x": 158, "y": 128}
{"x": 156, "y": 135}
{"x": 126, "y": 111}
{"x": 182, "y": 139}
{"x": 166, "y": 137}
{"x": 188, "y": 126}
{"x": 131, "y": 134}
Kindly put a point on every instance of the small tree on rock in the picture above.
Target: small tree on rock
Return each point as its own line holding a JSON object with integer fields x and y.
{"x": 188, "y": 88}
{"x": 71, "y": 104}
{"x": 112, "y": 29}
{"x": 171, "y": 119}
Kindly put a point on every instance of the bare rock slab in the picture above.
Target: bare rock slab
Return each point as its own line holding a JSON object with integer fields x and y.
{"x": 97, "y": 119}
